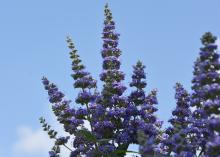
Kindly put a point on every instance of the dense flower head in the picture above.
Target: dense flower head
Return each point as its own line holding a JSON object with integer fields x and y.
{"x": 132, "y": 110}
{"x": 111, "y": 62}
{"x": 118, "y": 88}
{"x": 79, "y": 140}
{"x": 85, "y": 82}
{"x": 138, "y": 72}
{"x": 110, "y": 108}
{"x": 112, "y": 76}
{"x": 110, "y": 51}
{"x": 148, "y": 108}
{"x": 138, "y": 83}
{"x": 109, "y": 24}
{"x": 107, "y": 148}
{"x": 81, "y": 113}
{"x": 152, "y": 97}
{"x": 149, "y": 146}
{"x": 61, "y": 106}
{"x": 107, "y": 75}
{"x": 84, "y": 97}
{"x": 205, "y": 96}
{"x": 214, "y": 124}
{"x": 213, "y": 146}
{"x": 97, "y": 110}
{"x": 55, "y": 95}
{"x": 182, "y": 110}
{"x": 123, "y": 137}
{"x": 141, "y": 112}
{"x": 138, "y": 97}
{"x": 199, "y": 114}
{"x": 110, "y": 37}
{"x": 138, "y": 76}
{"x": 117, "y": 112}
{"x": 176, "y": 142}
{"x": 207, "y": 65}
{"x": 104, "y": 128}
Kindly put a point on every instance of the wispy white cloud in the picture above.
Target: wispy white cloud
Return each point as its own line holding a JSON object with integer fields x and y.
{"x": 31, "y": 142}
{"x": 34, "y": 142}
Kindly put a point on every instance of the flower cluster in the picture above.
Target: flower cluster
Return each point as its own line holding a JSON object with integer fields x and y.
{"x": 110, "y": 124}
{"x": 141, "y": 109}
{"x": 105, "y": 123}
{"x": 177, "y": 142}
{"x": 205, "y": 97}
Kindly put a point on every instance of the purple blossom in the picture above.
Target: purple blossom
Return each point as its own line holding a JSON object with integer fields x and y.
{"x": 118, "y": 88}
{"x": 211, "y": 47}
{"x": 205, "y": 96}
{"x": 104, "y": 127}
{"x": 141, "y": 112}
{"x": 84, "y": 97}
{"x": 152, "y": 98}
{"x": 53, "y": 154}
{"x": 97, "y": 110}
{"x": 107, "y": 75}
{"x": 138, "y": 97}
{"x": 81, "y": 113}
{"x": 180, "y": 122}
{"x": 123, "y": 137}
{"x": 117, "y": 112}
{"x": 107, "y": 148}
{"x": 214, "y": 124}
{"x": 132, "y": 110}
{"x": 75, "y": 122}
{"x": 213, "y": 146}
{"x": 79, "y": 74}
{"x": 111, "y": 62}
{"x": 85, "y": 82}
{"x": 55, "y": 95}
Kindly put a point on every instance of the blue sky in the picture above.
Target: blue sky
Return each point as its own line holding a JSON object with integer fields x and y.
{"x": 163, "y": 34}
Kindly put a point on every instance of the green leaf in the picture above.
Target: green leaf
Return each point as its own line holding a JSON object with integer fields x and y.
{"x": 88, "y": 135}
